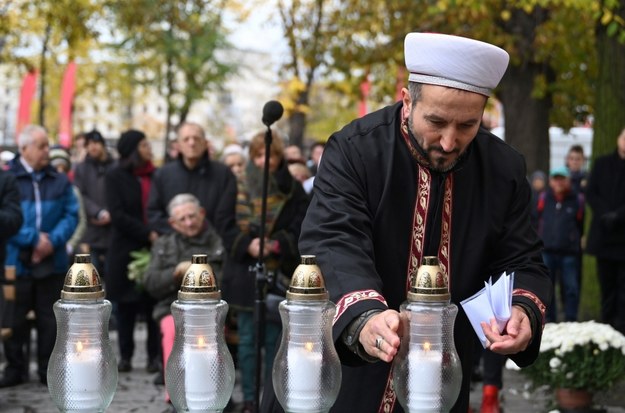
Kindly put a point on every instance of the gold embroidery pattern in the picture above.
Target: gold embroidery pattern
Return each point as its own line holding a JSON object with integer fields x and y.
{"x": 444, "y": 251}
{"x": 534, "y": 298}
{"x": 388, "y": 398}
{"x": 418, "y": 223}
{"x": 354, "y": 297}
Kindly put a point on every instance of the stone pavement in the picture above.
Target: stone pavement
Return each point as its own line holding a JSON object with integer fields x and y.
{"x": 136, "y": 392}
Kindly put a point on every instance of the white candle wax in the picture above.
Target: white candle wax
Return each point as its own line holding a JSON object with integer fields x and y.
{"x": 200, "y": 362}
{"x": 304, "y": 378}
{"x": 83, "y": 378}
{"x": 424, "y": 381}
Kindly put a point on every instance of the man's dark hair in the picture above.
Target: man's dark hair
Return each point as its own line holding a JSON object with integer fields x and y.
{"x": 414, "y": 89}
{"x": 577, "y": 148}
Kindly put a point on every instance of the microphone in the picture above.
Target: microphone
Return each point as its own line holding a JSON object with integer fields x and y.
{"x": 272, "y": 111}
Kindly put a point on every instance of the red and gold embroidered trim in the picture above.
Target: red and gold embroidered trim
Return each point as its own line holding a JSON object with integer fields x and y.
{"x": 388, "y": 398}
{"x": 444, "y": 248}
{"x": 419, "y": 222}
{"x": 354, "y": 297}
{"x": 534, "y": 298}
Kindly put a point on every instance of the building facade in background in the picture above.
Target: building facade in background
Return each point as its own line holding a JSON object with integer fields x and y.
{"x": 227, "y": 115}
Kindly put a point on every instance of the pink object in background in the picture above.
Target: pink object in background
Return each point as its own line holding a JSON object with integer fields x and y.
{"x": 65, "y": 113}
{"x": 26, "y": 99}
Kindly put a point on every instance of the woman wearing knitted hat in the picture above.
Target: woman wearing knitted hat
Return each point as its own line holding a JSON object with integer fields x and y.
{"x": 60, "y": 160}
{"x": 127, "y": 191}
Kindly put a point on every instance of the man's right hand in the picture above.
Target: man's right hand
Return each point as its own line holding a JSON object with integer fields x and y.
{"x": 181, "y": 269}
{"x": 43, "y": 248}
{"x": 384, "y": 328}
{"x": 103, "y": 218}
{"x": 153, "y": 236}
{"x": 254, "y": 248}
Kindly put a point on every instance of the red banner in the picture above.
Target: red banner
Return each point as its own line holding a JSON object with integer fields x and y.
{"x": 65, "y": 110}
{"x": 29, "y": 85}
{"x": 365, "y": 89}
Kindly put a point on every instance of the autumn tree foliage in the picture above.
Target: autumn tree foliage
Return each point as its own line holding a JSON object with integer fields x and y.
{"x": 553, "y": 74}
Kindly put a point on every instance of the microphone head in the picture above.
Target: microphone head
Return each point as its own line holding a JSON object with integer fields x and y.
{"x": 272, "y": 111}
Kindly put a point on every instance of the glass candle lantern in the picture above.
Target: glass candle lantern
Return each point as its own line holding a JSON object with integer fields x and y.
{"x": 82, "y": 371}
{"x": 200, "y": 372}
{"x": 426, "y": 370}
{"x": 307, "y": 371}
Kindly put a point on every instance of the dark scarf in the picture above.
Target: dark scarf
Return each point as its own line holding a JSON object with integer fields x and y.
{"x": 144, "y": 173}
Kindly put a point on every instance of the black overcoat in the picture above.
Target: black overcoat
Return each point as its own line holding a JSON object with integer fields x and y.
{"x": 89, "y": 177}
{"x": 213, "y": 184}
{"x": 606, "y": 194}
{"x": 359, "y": 225}
{"x": 130, "y": 232}
{"x": 11, "y": 217}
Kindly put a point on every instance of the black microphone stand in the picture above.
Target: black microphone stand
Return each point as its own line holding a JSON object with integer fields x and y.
{"x": 261, "y": 277}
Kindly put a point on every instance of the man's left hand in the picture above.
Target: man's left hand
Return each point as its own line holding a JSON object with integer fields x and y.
{"x": 515, "y": 337}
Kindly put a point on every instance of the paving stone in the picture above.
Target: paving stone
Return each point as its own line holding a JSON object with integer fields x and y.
{"x": 136, "y": 392}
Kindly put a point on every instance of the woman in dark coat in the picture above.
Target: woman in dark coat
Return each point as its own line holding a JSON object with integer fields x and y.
{"x": 286, "y": 207}
{"x": 127, "y": 190}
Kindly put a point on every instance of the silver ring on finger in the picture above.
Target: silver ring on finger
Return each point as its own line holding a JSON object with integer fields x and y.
{"x": 378, "y": 343}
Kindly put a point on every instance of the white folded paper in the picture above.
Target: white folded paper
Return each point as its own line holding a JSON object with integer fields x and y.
{"x": 492, "y": 301}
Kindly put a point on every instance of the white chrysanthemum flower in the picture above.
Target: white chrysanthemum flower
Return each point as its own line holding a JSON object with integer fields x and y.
{"x": 555, "y": 362}
{"x": 565, "y": 348}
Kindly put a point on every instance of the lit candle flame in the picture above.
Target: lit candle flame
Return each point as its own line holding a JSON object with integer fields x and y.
{"x": 201, "y": 342}
{"x": 79, "y": 346}
{"x": 427, "y": 346}
{"x": 308, "y": 346}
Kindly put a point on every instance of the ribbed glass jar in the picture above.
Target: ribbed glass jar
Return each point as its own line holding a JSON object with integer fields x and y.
{"x": 200, "y": 371}
{"x": 82, "y": 371}
{"x": 306, "y": 370}
{"x": 426, "y": 370}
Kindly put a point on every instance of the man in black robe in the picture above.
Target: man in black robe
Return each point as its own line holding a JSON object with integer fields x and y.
{"x": 421, "y": 178}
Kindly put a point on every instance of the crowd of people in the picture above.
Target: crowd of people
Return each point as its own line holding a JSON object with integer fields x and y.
{"x": 407, "y": 181}
{"x": 58, "y": 202}
{"x": 559, "y": 204}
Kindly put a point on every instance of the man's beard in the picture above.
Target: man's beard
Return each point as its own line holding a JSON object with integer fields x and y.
{"x": 435, "y": 165}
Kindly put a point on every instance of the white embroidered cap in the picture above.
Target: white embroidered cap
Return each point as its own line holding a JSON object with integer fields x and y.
{"x": 454, "y": 61}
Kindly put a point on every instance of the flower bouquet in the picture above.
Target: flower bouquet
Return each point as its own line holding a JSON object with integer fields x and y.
{"x": 138, "y": 265}
{"x": 578, "y": 355}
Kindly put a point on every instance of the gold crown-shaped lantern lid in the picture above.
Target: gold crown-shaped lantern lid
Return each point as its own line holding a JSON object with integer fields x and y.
{"x": 82, "y": 281}
{"x": 430, "y": 283}
{"x": 307, "y": 283}
{"x": 199, "y": 282}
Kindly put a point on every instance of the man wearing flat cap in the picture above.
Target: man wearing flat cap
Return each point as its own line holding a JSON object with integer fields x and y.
{"x": 422, "y": 178}
{"x": 89, "y": 177}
